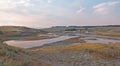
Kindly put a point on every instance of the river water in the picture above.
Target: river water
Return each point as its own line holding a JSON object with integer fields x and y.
{"x": 37, "y": 43}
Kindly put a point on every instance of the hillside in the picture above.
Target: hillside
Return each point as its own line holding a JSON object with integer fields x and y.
{"x": 18, "y": 29}
{"x": 15, "y": 28}
{"x": 13, "y": 56}
{"x": 9, "y": 32}
{"x": 64, "y": 55}
{"x": 80, "y": 55}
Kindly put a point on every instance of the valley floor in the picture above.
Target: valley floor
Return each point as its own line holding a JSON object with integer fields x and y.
{"x": 77, "y": 51}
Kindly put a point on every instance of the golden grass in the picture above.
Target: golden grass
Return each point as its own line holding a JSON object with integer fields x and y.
{"x": 75, "y": 40}
{"x": 20, "y": 57}
{"x": 13, "y": 56}
{"x": 72, "y": 47}
{"x": 99, "y": 51}
{"x": 37, "y": 37}
{"x": 108, "y": 34}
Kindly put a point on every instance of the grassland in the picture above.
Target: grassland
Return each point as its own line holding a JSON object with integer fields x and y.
{"x": 109, "y": 34}
{"x": 80, "y": 55}
{"x": 38, "y": 37}
{"x": 9, "y": 32}
{"x": 13, "y": 56}
{"x": 85, "y": 54}
{"x": 63, "y": 55}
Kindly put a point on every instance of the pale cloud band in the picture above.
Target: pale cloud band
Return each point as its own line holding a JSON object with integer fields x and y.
{"x": 80, "y": 10}
{"x": 105, "y": 8}
{"x": 56, "y": 12}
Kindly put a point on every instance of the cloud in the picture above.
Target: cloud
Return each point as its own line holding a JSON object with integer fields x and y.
{"x": 80, "y": 10}
{"x": 9, "y": 16}
{"x": 113, "y": 3}
{"x": 12, "y": 4}
{"x": 6, "y": 5}
{"x": 105, "y": 8}
{"x": 25, "y": 3}
{"x": 19, "y": 18}
{"x": 50, "y": 1}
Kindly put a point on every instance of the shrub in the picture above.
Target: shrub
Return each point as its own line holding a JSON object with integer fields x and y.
{"x": 11, "y": 63}
{"x": 1, "y": 62}
{"x": 25, "y": 63}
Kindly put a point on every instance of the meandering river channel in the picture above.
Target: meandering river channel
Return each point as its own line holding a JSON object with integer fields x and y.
{"x": 36, "y": 43}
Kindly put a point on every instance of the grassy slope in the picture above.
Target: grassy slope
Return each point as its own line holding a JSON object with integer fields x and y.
{"x": 106, "y": 31}
{"x": 12, "y": 56}
{"x": 7, "y": 32}
{"x": 64, "y": 55}
{"x": 80, "y": 54}
{"x": 109, "y": 34}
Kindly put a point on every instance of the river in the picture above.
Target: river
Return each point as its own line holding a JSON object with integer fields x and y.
{"x": 38, "y": 43}
{"x": 35, "y": 43}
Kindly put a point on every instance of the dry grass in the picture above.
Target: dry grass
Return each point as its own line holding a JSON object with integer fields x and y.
{"x": 75, "y": 40}
{"x": 37, "y": 37}
{"x": 98, "y": 51}
{"x": 80, "y": 54}
{"x": 13, "y": 56}
{"x": 66, "y": 54}
{"x": 108, "y": 34}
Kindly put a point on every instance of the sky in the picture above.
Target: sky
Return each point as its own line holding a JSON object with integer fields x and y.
{"x": 46, "y": 13}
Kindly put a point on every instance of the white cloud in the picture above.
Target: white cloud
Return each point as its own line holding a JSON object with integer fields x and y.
{"x": 25, "y": 3}
{"x": 18, "y": 19}
{"x": 5, "y": 16}
{"x": 105, "y": 8}
{"x": 113, "y": 3}
{"x": 24, "y": 10}
{"x": 12, "y": 4}
{"x": 6, "y": 5}
{"x": 50, "y": 1}
{"x": 80, "y": 10}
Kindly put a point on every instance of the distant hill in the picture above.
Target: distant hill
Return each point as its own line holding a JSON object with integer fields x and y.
{"x": 19, "y": 30}
{"x": 85, "y": 26}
